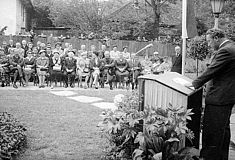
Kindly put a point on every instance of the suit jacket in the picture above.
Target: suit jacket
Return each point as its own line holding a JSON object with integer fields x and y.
{"x": 31, "y": 61}
{"x": 177, "y": 64}
{"x": 25, "y": 48}
{"x": 221, "y": 76}
{"x": 93, "y": 64}
{"x": 70, "y": 64}
{"x": 14, "y": 61}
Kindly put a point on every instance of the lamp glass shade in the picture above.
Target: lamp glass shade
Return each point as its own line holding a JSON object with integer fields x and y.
{"x": 217, "y": 6}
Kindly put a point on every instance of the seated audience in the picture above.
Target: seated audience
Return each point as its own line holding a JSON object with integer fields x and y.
{"x": 83, "y": 49}
{"x": 42, "y": 64}
{"x": 17, "y": 62}
{"x": 30, "y": 46}
{"x": 114, "y": 54}
{"x": 91, "y": 52}
{"x": 29, "y": 66}
{"x": 24, "y": 46}
{"x": 56, "y": 69}
{"x": 122, "y": 73}
{"x": 83, "y": 69}
{"x": 147, "y": 66}
{"x": 4, "y": 68}
{"x": 107, "y": 70}
{"x": 69, "y": 69}
{"x": 95, "y": 69}
{"x": 38, "y": 46}
{"x": 102, "y": 51}
{"x": 18, "y": 50}
{"x": 11, "y": 44}
{"x": 4, "y": 47}
{"x": 126, "y": 54}
{"x": 135, "y": 70}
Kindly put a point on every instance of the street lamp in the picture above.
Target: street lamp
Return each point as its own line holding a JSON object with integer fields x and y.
{"x": 217, "y": 6}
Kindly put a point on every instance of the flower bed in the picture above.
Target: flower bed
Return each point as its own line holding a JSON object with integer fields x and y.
{"x": 12, "y": 136}
{"x": 154, "y": 134}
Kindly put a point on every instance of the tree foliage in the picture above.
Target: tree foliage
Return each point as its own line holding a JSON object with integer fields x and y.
{"x": 121, "y": 19}
{"x": 42, "y": 8}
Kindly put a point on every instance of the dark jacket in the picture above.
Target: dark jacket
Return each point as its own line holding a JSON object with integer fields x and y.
{"x": 31, "y": 62}
{"x": 221, "y": 76}
{"x": 177, "y": 64}
{"x": 14, "y": 61}
{"x": 70, "y": 64}
{"x": 94, "y": 64}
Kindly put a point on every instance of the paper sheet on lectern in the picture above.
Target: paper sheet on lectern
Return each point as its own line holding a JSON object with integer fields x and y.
{"x": 181, "y": 81}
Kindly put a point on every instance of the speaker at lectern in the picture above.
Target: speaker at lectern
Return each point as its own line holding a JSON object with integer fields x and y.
{"x": 168, "y": 88}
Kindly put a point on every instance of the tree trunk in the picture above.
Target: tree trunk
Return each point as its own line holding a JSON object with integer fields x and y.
{"x": 156, "y": 11}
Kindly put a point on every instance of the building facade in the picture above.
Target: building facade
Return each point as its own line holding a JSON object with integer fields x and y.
{"x": 16, "y": 15}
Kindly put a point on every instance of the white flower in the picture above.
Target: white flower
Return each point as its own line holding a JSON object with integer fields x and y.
{"x": 118, "y": 99}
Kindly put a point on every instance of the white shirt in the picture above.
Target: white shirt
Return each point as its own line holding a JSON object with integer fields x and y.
{"x": 114, "y": 55}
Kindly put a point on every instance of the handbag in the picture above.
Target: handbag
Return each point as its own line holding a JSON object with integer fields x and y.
{"x": 43, "y": 69}
{"x": 56, "y": 68}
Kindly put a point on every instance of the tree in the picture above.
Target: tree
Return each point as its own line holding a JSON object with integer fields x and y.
{"x": 81, "y": 16}
{"x": 156, "y": 6}
{"x": 42, "y": 8}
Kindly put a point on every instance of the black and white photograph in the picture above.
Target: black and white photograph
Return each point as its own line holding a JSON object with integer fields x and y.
{"x": 117, "y": 80}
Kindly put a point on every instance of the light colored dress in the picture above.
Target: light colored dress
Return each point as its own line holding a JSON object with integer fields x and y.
{"x": 42, "y": 65}
{"x": 114, "y": 55}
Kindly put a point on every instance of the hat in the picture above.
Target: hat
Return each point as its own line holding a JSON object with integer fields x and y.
{"x": 41, "y": 51}
{"x": 155, "y": 53}
{"x": 83, "y": 53}
{"x": 58, "y": 43}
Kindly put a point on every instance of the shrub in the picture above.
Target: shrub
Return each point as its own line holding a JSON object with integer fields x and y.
{"x": 147, "y": 134}
{"x": 12, "y": 136}
{"x": 198, "y": 48}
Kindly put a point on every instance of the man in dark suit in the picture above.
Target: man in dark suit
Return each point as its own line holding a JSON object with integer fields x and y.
{"x": 177, "y": 61}
{"x": 220, "y": 96}
{"x": 25, "y": 47}
{"x": 69, "y": 69}
{"x": 17, "y": 62}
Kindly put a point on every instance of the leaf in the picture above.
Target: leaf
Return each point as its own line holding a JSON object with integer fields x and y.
{"x": 173, "y": 139}
{"x": 139, "y": 138}
{"x": 157, "y": 156}
{"x": 137, "y": 154}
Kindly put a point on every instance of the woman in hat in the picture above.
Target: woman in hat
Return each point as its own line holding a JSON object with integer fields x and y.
{"x": 29, "y": 66}
{"x": 42, "y": 65}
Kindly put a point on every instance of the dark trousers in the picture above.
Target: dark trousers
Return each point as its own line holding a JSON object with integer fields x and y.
{"x": 69, "y": 77}
{"x": 216, "y": 132}
{"x": 18, "y": 72}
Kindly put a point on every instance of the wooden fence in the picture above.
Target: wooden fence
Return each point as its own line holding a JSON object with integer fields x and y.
{"x": 133, "y": 46}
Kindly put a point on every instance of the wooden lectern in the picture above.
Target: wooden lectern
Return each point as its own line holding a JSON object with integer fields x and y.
{"x": 160, "y": 90}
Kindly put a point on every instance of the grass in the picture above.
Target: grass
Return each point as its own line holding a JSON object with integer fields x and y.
{"x": 58, "y": 128}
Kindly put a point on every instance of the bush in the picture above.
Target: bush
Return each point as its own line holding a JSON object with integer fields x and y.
{"x": 12, "y": 136}
{"x": 198, "y": 48}
{"x": 148, "y": 134}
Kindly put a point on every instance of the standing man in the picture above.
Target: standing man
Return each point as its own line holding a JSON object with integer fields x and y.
{"x": 177, "y": 61}
{"x": 220, "y": 96}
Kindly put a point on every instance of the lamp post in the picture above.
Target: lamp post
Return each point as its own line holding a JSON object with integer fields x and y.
{"x": 217, "y": 6}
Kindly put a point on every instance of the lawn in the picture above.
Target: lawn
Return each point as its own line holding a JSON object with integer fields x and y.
{"x": 58, "y": 128}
